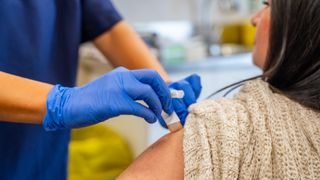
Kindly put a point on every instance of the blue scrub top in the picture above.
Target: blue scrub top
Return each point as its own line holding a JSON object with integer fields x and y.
{"x": 39, "y": 39}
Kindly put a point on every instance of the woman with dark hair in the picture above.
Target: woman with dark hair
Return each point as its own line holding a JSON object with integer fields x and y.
{"x": 271, "y": 128}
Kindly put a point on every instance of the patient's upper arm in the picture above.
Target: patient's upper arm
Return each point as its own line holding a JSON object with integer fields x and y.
{"x": 162, "y": 160}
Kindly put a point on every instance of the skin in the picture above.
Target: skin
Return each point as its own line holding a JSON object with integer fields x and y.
{"x": 24, "y": 101}
{"x": 123, "y": 47}
{"x": 164, "y": 159}
{"x": 261, "y": 20}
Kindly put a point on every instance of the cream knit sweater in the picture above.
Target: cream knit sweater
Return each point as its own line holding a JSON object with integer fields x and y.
{"x": 256, "y": 135}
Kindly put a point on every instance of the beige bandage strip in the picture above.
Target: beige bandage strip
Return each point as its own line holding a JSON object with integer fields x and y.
{"x": 173, "y": 121}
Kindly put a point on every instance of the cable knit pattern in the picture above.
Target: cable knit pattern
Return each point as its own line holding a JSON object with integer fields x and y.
{"x": 256, "y": 135}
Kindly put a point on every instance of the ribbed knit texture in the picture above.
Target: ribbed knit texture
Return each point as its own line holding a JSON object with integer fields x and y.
{"x": 258, "y": 134}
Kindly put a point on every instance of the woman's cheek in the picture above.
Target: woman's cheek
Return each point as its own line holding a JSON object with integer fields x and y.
{"x": 262, "y": 41}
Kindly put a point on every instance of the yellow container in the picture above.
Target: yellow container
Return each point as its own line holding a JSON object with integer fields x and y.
{"x": 97, "y": 153}
{"x": 242, "y": 34}
{"x": 248, "y": 34}
{"x": 231, "y": 34}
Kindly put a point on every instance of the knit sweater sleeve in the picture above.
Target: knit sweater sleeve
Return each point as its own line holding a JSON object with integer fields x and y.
{"x": 215, "y": 137}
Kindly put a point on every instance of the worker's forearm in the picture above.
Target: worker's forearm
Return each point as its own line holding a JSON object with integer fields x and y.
{"x": 22, "y": 100}
{"x": 123, "y": 47}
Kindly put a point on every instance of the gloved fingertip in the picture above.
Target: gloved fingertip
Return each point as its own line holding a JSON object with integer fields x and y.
{"x": 163, "y": 123}
{"x": 183, "y": 118}
{"x": 194, "y": 77}
{"x": 169, "y": 109}
{"x": 151, "y": 120}
{"x": 121, "y": 68}
{"x": 195, "y": 81}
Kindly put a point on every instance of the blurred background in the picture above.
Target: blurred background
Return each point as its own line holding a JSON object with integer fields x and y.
{"x": 213, "y": 38}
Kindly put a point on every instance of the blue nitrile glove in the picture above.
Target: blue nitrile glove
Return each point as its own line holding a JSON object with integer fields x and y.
{"x": 111, "y": 95}
{"x": 192, "y": 89}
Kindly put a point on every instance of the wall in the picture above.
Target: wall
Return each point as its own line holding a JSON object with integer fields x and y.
{"x": 191, "y": 10}
{"x": 155, "y": 10}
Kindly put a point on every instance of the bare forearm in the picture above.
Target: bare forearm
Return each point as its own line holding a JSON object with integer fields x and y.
{"x": 22, "y": 100}
{"x": 123, "y": 47}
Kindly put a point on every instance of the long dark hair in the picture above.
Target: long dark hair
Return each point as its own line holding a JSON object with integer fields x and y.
{"x": 293, "y": 63}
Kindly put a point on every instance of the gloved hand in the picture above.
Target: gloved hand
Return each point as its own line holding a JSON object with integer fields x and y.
{"x": 192, "y": 88}
{"x": 111, "y": 95}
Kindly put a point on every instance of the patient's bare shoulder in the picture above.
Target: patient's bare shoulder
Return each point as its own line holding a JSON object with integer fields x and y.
{"x": 162, "y": 160}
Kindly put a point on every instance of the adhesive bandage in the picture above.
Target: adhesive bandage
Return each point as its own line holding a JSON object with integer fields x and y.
{"x": 178, "y": 94}
{"x": 173, "y": 121}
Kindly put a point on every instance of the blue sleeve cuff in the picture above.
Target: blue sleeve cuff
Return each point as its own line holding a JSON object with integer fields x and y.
{"x": 98, "y": 16}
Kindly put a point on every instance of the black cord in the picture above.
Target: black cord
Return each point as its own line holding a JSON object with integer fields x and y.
{"x": 232, "y": 89}
{"x": 237, "y": 84}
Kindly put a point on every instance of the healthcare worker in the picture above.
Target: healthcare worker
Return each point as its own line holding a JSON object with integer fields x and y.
{"x": 39, "y": 41}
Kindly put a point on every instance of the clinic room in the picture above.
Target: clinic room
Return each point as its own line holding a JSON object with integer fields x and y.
{"x": 168, "y": 90}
